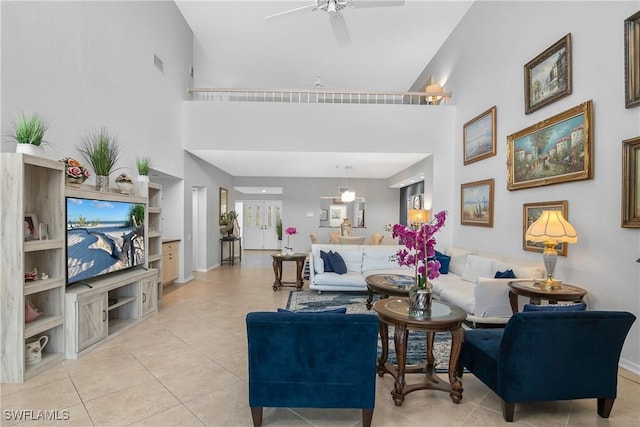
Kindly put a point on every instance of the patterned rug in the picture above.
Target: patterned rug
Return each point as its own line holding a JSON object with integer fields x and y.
{"x": 355, "y": 302}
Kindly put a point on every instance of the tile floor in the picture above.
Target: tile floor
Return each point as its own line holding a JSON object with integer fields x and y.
{"x": 186, "y": 366}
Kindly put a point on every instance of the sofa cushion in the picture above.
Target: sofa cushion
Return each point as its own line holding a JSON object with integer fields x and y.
{"x": 318, "y": 264}
{"x": 326, "y": 261}
{"x": 379, "y": 257}
{"x": 352, "y": 257}
{"x": 338, "y": 310}
{"x": 460, "y": 294}
{"x": 350, "y": 279}
{"x": 458, "y": 260}
{"x": 475, "y": 267}
{"x": 337, "y": 263}
{"x": 579, "y": 306}
{"x": 507, "y": 274}
{"x": 528, "y": 272}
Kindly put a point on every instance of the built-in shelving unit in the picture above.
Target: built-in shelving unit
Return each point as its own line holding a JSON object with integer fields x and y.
{"x": 154, "y": 221}
{"x": 31, "y": 185}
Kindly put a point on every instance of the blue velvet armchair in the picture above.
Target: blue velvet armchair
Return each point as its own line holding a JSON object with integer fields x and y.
{"x": 542, "y": 356}
{"x": 312, "y": 360}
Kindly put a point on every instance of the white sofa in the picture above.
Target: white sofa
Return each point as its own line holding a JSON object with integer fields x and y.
{"x": 470, "y": 283}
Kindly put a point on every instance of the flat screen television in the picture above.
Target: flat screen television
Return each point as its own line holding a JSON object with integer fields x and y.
{"x": 103, "y": 237}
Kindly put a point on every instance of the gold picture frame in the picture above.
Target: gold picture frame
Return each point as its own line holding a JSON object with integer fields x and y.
{"x": 547, "y": 77}
{"x": 631, "y": 183}
{"x": 553, "y": 151}
{"x": 632, "y": 60}
{"x": 479, "y": 137}
{"x": 531, "y": 212}
{"x": 476, "y": 203}
{"x": 223, "y": 205}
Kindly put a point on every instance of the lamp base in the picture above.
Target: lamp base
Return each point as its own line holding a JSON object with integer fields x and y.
{"x": 549, "y": 284}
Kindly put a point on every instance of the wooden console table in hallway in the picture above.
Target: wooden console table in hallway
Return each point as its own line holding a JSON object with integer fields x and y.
{"x": 278, "y": 259}
{"x": 231, "y": 245}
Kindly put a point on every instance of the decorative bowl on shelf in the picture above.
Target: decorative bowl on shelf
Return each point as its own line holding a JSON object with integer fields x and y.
{"x": 125, "y": 187}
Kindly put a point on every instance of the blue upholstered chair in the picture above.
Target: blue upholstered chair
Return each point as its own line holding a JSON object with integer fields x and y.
{"x": 542, "y": 356}
{"x": 312, "y": 360}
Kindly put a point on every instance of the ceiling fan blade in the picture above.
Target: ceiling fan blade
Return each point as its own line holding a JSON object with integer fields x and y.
{"x": 340, "y": 30}
{"x": 295, "y": 11}
{"x": 377, "y": 3}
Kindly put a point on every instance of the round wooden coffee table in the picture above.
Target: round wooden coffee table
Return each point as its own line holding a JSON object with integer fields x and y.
{"x": 387, "y": 285}
{"x": 443, "y": 317}
{"x": 535, "y": 293}
{"x": 278, "y": 259}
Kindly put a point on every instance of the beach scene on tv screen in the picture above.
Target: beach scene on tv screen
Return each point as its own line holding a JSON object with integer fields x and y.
{"x": 103, "y": 237}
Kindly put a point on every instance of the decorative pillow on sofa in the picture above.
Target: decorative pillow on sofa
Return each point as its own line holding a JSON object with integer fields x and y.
{"x": 458, "y": 259}
{"x": 444, "y": 262}
{"x": 339, "y": 310}
{"x": 326, "y": 261}
{"x": 318, "y": 264}
{"x": 578, "y": 306}
{"x": 337, "y": 262}
{"x": 476, "y": 266}
{"x": 507, "y": 274}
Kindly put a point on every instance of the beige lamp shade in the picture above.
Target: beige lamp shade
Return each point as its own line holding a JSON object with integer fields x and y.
{"x": 551, "y": 227}
{"x": 418, "y": 216}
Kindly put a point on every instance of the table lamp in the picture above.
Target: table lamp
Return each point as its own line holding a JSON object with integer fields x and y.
{"x": 550, "y": 229}
{"x": 417, "y": 217}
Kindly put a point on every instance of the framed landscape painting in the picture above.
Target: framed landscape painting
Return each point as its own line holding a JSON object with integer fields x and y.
{"x": 552, "y": 151}
{"x": 547, "y": 77}
{"x": 479, "y": 137}
{"x": 476, "y": 203}
{"x": 631, "y": 183}
{"x": 632, "y": 60}
{"x": 530, "y": 214}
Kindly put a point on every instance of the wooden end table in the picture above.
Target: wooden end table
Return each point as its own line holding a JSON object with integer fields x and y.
{"x": 278, "y": 259}
{"x": 231, "y": 244}
{"x": 536, "y": 293}
{"x": 444, "y": 317}
{"x": 387, "y": 285}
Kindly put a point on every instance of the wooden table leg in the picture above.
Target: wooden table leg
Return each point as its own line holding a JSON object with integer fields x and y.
{"x": 277, "y": 272}
{"x": 369, "y": 299}
{"x": 384, "y": 340}
{"x": 513, "y": 300}
{"x": 299, "y": 271}
{"x": 457, "y": 337}
{"x": 400, "y": 338}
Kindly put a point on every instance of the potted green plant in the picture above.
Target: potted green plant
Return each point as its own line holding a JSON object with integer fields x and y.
{"x": 28, "y": 133}
{"x": 101, "y": 150}
{"x": 143, "y": 164}
{"x": 229, "y": 219}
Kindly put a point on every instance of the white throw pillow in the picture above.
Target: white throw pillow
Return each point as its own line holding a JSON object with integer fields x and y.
{"x": 318, "y": 264}
{"x": 522, "y": 272}
{"x": 477, "y": 266}
{"x": 458, "y": 260}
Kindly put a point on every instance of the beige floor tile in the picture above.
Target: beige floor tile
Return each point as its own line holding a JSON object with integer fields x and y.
{"x": 52, "y": 375}
{"x": 75, "y": 416}
{"x": 108, "y": 379}
{"x": 163, "y": 364}
{"x": 48, "y": 397}
{"x": 131, "y": 404}
{"x": 88, "y": 363}
{"x": 194, "y": 382}
{"x": 328, "y": 417}
{"x": 224, "y": 406}
{"x": 177, "y": 416}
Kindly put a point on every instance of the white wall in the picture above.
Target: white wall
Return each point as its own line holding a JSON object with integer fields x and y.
{"x": 482, "y": 64}
{"x": 88, "y": 64}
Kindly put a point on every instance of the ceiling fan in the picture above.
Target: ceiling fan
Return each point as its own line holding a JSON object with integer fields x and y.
{"x": 334, "y": 9}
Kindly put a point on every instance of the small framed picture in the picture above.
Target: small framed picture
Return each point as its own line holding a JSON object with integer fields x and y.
{"x": 479, "y": 137}
{"x": 547, "y": 77}
{"x": 632, "y": 60}
{"x": 631, "y": 183}
{"x": 531, "y": 212}
{"x": 476, "y": 203}
{"x": 324, "y": 214}
{"x": 30, "y": 228}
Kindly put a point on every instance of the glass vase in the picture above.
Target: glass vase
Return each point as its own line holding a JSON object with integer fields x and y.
{"x": 420, "y": 301}
{"x": 102, "y": 183}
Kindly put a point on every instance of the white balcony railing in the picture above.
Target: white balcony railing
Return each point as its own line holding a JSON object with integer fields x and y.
{"x": 308, "y": 96}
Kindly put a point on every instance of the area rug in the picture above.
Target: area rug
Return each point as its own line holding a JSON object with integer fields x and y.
{"x": 355, "y": 302}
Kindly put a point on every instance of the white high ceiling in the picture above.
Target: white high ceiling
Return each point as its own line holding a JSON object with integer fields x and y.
{"x": 235, "y": 47}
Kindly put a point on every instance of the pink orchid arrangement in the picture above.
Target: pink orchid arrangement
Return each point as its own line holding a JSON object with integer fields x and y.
{"x": 419, "y": 251}
{"x": 290, "y": 231}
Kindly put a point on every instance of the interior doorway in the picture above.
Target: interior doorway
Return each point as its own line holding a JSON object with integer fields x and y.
{"x": 260, "y": 218}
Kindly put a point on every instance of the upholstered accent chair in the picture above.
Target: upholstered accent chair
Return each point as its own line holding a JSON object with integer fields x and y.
{"x": 333, "y": 237}
{"x": 312, "y": 360}
{"x": 314, "y": 238}
{"x": 376, "y": 239}
{"x": 549, "y": 355}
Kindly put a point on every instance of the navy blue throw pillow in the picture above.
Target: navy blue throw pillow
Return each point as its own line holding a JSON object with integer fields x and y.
{"x": 580, "y": 306}
{"x": 444, "y": 262}
{"x": 338, "y": 310}
{"x": 507, "y": 274}
{"x": 337, "y": 262}
{"x": 327, "y": 261}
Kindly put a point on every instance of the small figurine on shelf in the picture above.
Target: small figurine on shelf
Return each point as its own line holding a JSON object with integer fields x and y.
{"x": 31, "y": 275}
{"x": 75, "y": 173}
{"x": 31, "y": 313}
{"x": 124, "y": 183}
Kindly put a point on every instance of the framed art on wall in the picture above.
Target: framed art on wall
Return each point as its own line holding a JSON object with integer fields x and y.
{"x": 223, "y": 204}
{"x": 531, "y": 212}
{"x": 552, "y": 151}
{"x": 479, "y": 137}
{"x": 631, "y": 183}
{"x": 547, "y": 77}
{"x": 632, "y": 60}
{"x": 476, "y": 203}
